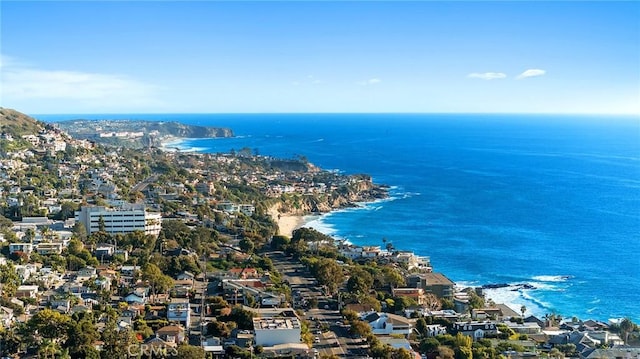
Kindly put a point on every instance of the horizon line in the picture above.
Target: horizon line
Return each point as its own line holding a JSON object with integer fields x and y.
{"x": 344, "y": 113}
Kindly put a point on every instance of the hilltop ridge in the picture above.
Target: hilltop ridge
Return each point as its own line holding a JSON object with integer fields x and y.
{"x": 17, "y": 124}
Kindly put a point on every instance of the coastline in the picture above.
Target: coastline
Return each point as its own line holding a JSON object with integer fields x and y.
{"x": 534, "y": 300}
{"x": 171, "y": 143}
{"x": 287, "y": 223}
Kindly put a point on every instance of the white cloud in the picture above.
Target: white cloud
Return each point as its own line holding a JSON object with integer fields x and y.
{"x": 22, "y": 83}
{"x": 487, "y": 75}
{"x": 531, "y": 73}
{"x": 370, "y": 82}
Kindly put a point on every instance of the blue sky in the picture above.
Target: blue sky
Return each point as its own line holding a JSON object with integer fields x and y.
{"x": 304, "y": 56}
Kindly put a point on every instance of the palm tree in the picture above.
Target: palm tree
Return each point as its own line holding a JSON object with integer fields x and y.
{"x": 523, "y": 309}
{"x": 389, "y": 247}
{"x": 626, "y": 327}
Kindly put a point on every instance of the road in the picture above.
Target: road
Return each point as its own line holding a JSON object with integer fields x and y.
{"x": 142, "y": 185}
{"x": 326, "y": 320}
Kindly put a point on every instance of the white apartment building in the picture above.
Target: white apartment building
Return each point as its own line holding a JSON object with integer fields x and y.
{"x": 274, "y": 331}
{"x": 123, "y": 220}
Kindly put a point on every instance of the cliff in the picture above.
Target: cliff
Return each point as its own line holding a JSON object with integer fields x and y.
{"x": 359, "y": 188}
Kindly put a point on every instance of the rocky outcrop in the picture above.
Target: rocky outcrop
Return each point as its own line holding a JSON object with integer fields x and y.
{"x": 358, "y": 189}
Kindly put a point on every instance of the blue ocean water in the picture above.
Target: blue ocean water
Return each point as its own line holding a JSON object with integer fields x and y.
{"x": 553, "y": 201}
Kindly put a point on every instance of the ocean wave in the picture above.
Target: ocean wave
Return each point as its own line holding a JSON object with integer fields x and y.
{"x": 321, "y": 226}
{"x": 516, "y": 299}
{"x": 538, "y": 302}
{"x": 551, "y": 278}
{"x": 466, "y": 284}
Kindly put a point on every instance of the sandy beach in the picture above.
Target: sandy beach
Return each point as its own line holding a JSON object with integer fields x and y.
{"x": 287, "y": 223}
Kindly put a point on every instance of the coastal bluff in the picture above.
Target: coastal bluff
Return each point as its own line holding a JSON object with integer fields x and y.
{"x": 137, "y": 133}
{"x": 357, "y": 189}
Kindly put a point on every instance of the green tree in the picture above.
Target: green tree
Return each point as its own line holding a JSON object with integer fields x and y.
{"x": 246, "y": 245}
{"x": 48, "y": 349}
{"x": 243, "y": 318}
{"x": 329, "y": 274}
{"x": 445, "y": 352}
{"x": 5, "y": 223}
{"x": 360, "y": 328}
{"x": 401, "y": 353}
{"x": 50, "y": 324}
{"x": 79, "y": 231}
{"x": 9, "y": 280}
{"x": 81, "y": 335}
{"x": 280, "y": 242}
{"x": 429, "y": 345}
{"x": 392, "y": 277}
{"x": 626, "y": 327}
{"x": 186, "y": 351}
{"x": 159, "y": 282}
{"x": 360, "y": 281}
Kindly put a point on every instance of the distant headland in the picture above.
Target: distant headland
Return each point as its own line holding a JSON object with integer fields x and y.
{"x": 137, "y": 133}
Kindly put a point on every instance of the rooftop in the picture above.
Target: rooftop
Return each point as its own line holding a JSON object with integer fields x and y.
{"x": 275, "y": 323}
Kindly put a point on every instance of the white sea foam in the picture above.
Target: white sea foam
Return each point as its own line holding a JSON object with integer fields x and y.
{"x": 546, "y": 286}
{"x": 551, "y": 278}
{"x": 516, "y": 299}
{"x": 515, "y": 295}
{"x": 466, "y": 284}
{"x": 321, "y": 226}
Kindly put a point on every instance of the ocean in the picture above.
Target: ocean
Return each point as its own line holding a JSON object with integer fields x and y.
{"x": 546, "y": 200}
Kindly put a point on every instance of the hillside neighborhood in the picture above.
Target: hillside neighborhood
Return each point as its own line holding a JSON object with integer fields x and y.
{"x": 111, "y": 252}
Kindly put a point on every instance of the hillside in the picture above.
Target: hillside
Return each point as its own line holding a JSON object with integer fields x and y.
{"x": 17, "y": 124}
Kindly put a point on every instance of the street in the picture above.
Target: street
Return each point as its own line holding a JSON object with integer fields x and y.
{"x": 325, "y": 321}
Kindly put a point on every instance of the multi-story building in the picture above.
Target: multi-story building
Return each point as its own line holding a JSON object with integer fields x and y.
{"x": 123, "y": 220}
{"x": 274, "y": 331}
{"x": 179, "y": 311}
{"x": 435, "y": 283}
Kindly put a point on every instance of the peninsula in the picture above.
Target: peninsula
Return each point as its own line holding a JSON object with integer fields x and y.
{"x": 137, "y": 133}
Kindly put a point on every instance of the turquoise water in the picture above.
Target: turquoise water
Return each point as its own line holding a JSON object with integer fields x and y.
{"x": 553, "y": 201}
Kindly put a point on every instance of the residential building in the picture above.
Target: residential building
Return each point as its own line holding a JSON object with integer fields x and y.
{"x": 171, "y": 334}
{"x": 6, "y": 317}
{"x": 417, "y": 294}
{"x": 274, "y": 331}
{"x": 178, "y": 311}
{"x": 524, "y": 328}
{"x": 475, "y": 330}
{"x": 388, "y": 324}
{"x": 123, "y": 220}
{"x": 49, "y": 248}
{"x": 27, "y": 291}
{"x": 499, "y": 312}
{"x": 20, "y": 247}
{"x": 437, "y": 284}
{"x": 614, "y": 353}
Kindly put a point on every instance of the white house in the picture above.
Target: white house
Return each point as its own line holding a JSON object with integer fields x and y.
{"x": 475, "y": 330}
{"x": 178, "y": 311}
{"x": 387, "y": 323}
{"x": 274, "y": 331}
